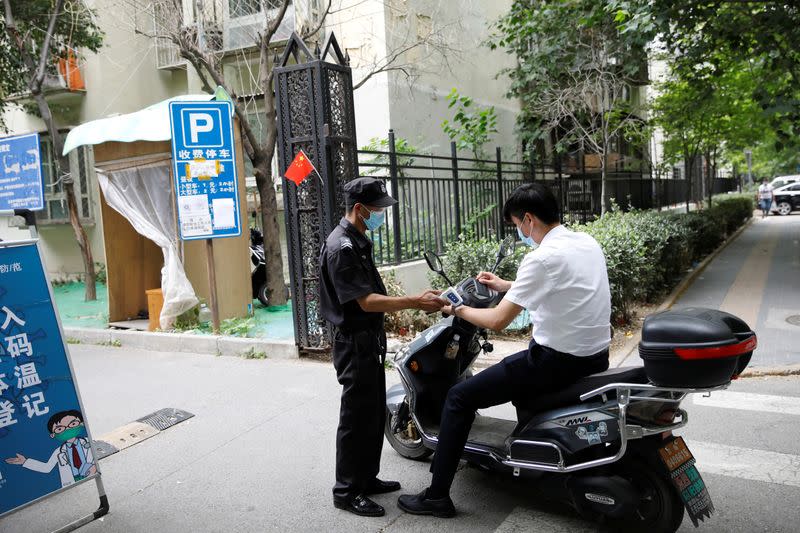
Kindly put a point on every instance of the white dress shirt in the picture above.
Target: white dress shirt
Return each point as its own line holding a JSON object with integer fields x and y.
{"x": 564, "y": 285}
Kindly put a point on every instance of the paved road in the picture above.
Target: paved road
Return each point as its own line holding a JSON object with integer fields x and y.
{"x": 258, "y": 456}
{"x": 757, "y": 277}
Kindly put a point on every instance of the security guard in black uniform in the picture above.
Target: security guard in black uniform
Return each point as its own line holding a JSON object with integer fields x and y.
{"x": 354, "y": 300}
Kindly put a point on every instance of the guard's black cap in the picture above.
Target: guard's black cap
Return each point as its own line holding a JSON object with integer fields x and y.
{"x": 367, "y": 191}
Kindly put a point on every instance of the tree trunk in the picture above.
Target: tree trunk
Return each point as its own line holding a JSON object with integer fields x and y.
{"x": 35, "y": 86}
{"x": 602, "y": 185}
{"x": 709, "y": 178}
{"x": 276, "y": 286}
{"x": 687, "y": 165}
{"x": 72, "y": 204}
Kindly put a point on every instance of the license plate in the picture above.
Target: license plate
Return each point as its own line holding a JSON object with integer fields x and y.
{"x": 680, "y": 464}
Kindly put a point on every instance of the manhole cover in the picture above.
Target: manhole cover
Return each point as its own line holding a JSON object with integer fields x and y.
{"x": 794, "y": 320}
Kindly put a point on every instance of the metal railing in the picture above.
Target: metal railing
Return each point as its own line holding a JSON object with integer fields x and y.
{"x": 443, "y": 196}
{"x": 439, "y": 198}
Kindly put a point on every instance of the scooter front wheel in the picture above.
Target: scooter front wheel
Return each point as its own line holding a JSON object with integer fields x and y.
{"x": 406, "y": 440}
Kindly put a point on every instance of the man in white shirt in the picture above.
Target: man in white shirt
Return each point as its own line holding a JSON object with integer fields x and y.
{"x": 765, "y": 196}
{"x": 563, "y": 283}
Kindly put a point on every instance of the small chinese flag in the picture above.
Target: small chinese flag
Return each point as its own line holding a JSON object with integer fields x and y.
{"x": 300, "y": 168}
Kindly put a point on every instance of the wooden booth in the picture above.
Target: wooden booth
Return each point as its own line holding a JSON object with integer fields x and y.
{"x": 134, "y": 263}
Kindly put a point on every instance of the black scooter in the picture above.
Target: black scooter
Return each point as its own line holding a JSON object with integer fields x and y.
{"x": 258, "y": 267}
{"x": 603, "y": 445}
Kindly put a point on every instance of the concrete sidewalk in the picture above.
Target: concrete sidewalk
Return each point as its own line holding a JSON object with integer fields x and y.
{"x": 757, "y": 278}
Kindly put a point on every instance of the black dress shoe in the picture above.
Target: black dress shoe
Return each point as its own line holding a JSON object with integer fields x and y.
{"x": 421, "y": 504}
{"x": 376, "y": 486}
{"x": 360, "y": 505}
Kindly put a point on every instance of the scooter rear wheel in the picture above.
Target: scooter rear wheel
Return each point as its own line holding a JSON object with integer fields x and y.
{"x": 660, "y": 508}
{"x": 409, "y": 446}
{"x": 263, "y": 295}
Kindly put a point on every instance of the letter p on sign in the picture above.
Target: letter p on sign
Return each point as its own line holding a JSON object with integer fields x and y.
{"x": 199, "y": 123}
{"x": 202, "y": 128}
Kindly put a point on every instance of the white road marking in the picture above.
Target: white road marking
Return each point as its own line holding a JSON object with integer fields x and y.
{"x": 745, "y": 401}
{"x": 746, "y": 463}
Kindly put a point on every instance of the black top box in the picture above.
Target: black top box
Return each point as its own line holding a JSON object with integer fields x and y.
{"x": 695, "y": 347}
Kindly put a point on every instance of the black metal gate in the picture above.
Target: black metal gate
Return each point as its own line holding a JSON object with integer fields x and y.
{"x": 315, "y": 114}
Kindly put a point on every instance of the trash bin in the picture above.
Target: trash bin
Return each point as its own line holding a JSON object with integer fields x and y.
{"x": 155, "y": 301}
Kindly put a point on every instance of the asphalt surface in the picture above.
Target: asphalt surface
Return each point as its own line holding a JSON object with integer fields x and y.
{"x": 259, "y": 455}
{"x": 757, "y": 277}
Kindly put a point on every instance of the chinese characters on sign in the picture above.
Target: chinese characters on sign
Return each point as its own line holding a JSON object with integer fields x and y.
{"x": 44, "y": 444}
{"x": 21, "y": 173}
{"x": 204, "y": 170}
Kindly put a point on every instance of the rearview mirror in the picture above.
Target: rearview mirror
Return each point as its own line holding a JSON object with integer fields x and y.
{"x": 434, "y": 262}
{"x": 507, "y": 247}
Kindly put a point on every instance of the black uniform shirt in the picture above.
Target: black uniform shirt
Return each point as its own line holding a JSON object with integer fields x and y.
{"x": 347, "y": 272}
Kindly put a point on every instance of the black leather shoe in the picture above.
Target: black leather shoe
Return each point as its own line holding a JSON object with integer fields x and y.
{"x": 421, "y": 504}
{"x": 360, "y": 505}
{"x": 376, "y": 486}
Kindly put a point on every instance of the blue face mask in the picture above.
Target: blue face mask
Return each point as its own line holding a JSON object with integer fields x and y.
{"x": 527, "y": 241}
{"x": 375, "y": 220}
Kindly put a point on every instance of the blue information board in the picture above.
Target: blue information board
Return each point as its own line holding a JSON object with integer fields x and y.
{"x": 21, "y": 184}
{"x": 45, "y": 445}
{"x": 204, "y": 167}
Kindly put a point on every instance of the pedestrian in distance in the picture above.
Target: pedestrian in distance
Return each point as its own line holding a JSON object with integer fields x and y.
{"x": 353, "y": 300}
{"x": 765, "y": 197}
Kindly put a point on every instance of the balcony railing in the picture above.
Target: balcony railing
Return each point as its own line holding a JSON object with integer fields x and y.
{"x": 236, "y": 31}
{"x": 65, "y": 75}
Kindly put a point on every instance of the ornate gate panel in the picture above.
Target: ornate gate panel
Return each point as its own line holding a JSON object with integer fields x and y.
{"x": 314, "y": 100}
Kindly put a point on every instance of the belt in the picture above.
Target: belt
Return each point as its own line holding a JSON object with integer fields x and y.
{"x": 358, "y": 328}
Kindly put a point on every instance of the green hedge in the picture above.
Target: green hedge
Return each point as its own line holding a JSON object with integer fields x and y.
{"x": 646, "y": 251}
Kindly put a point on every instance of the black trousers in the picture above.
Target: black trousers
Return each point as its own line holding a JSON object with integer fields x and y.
{"x": 538, "y": 370}
{"x": 358, "y": 358}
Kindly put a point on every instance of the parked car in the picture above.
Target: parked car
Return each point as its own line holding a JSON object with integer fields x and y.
{"x": 782, "y": 181}
{"x": 787, "y": 199}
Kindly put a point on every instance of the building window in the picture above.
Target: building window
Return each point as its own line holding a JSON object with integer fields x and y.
{"x": 243, "y": 8}
{"x": 81, "y": 167}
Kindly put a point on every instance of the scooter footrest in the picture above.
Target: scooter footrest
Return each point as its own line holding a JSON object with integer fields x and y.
{"x": 534, "y": 452}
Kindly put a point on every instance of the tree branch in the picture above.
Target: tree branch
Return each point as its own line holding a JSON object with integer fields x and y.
{"x": 44, "y": 54}
{"x": 276, "y": 22}
{"x": 189, "y": 51}
{"x": 309, "y": 34}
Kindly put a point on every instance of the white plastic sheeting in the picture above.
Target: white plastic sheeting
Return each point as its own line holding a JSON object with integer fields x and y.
{"x": 142, "y": 195}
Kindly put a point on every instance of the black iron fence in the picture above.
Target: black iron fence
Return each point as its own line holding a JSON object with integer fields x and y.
{"x": 442, "y": 196}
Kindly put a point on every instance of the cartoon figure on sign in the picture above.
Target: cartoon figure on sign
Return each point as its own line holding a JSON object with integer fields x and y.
{"x": 74, "y": 456}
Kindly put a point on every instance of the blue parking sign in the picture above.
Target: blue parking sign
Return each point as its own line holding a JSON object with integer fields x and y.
{"x": 204, "y": 166}
{"x": 21, "y": 173}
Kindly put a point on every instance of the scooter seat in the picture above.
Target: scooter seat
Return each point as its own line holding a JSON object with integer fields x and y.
{"x": 527, "y": 408}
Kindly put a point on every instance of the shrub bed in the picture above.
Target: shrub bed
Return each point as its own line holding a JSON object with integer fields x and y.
{"x": 647, "y": 252}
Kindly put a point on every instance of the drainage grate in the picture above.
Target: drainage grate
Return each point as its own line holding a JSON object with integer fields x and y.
{"x": 166, "y": 418}
{"x": 793, "y": 320}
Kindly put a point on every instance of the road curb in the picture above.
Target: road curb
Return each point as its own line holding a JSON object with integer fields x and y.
{"x": 770, "y": 371}
{"x": 632, "y": 344}
{"x": 184, "y": 343}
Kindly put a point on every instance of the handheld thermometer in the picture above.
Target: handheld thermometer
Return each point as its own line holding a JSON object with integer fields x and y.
{"x": 452, "y": 297}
